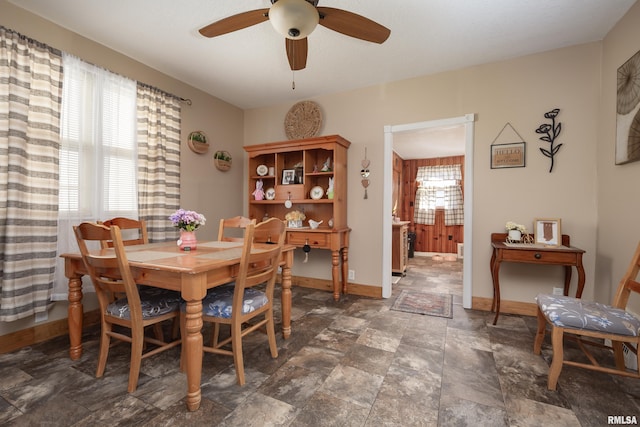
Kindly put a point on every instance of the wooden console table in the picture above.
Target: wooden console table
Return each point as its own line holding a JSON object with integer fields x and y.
{"x": 565, "y": 255}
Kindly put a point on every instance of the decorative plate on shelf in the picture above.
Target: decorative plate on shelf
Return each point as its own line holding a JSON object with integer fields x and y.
{"x": 270, "y": 193}
{"x": 262, "y": 170}
{"x": 316, "y": 192}
{"x": 303, "y": 120}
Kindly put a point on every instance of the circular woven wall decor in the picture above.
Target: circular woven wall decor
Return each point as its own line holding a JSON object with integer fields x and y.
{"x": 303, "y": 120}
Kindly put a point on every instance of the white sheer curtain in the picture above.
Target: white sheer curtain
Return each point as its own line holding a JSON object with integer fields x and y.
{"x": 97, "y": 153}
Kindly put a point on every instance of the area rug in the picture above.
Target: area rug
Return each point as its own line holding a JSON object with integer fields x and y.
{"x": 431, "y": 304}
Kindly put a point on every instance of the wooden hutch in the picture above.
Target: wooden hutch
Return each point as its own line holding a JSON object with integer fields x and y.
{"x": 297, "y": 170}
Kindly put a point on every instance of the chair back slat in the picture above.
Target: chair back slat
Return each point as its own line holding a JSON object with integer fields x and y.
{"x": 232, "y": 229}
{"x": 133, "y": 231}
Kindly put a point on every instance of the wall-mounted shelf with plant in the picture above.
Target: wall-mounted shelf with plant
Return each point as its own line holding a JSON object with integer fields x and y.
{"x": 197, "y": 142}
{"x": 222, "y": 160}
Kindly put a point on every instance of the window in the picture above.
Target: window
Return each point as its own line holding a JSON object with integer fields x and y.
{"x": 439, "y": 202}
{"x": 98, "y": 143}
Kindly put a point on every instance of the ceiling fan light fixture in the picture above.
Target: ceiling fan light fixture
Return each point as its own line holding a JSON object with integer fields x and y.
{"x": 294, "y": 19}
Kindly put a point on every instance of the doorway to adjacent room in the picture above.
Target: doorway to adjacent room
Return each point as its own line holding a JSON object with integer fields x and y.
{"x": 399, "y": 133}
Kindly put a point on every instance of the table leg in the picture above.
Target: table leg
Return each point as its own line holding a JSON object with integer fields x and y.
{"x": 75, "y": 313}
{"x": 581, "y": 278}
{"x": 286, "y": 295}
{"x": 567, "y": 279}
{"x": 491, "y": 265}
{"x": 345, "y": 269}
{"x": 496, "y": 289}
{"x": 335, "y": 275}
{"x": 193, "y": 350}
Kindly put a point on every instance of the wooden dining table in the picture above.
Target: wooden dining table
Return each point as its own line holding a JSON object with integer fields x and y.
{"x": 164, "y": 265}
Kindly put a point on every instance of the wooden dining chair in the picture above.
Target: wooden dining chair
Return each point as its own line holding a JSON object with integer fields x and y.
{"x": 591, "y": 323}
{"x": 231, "y": 229}
{"x": 110, "y": 274}
{"x": 239, "y": 303}
{"x": 134, "y": 231}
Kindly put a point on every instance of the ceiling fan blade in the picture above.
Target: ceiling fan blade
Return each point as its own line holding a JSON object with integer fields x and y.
{"x": 353, "y": 25}
{"x": 297, "y": 53}
{"x": 235, "y": 22}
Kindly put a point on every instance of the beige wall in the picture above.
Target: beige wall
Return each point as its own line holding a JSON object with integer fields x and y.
{"x": 579, "y": 80}
{"x": 618, "y": 230}
{"x": 518, "y": 91}
{"x": 213, "y": 193}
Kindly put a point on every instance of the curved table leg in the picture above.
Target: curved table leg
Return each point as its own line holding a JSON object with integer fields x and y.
{"x": 495, "y": 274}
{"x": 567, "y": 279}
{"x": 491, "y": 265}
{"x": 581, "y": 278}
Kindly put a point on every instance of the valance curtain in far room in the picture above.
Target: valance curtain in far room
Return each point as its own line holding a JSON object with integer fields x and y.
{"x": 430, "y": 179}
{"x": 158, "y": 160}
{"x": 30, "y": 97}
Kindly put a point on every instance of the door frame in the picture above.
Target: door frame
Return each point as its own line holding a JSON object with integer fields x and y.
{"x": 468, "y": 120}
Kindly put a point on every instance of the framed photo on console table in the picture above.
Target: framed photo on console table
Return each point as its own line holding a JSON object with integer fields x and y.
{"x": 547, "y": 231}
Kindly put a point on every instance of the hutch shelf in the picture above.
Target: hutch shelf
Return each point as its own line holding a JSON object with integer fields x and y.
{"x": 300, "y": 171}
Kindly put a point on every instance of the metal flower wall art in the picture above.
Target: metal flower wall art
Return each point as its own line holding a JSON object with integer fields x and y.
{"x": 550, "y": 133}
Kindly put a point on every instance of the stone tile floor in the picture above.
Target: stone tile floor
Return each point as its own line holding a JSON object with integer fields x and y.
{"x": 349, "y": 363}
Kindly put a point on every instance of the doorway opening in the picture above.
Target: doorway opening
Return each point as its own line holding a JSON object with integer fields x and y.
{"x": 467, "y": 121}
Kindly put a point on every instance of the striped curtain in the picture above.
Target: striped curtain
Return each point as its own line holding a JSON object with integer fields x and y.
{"x": 158, "y": 161}
{"x": 30, "y": 98}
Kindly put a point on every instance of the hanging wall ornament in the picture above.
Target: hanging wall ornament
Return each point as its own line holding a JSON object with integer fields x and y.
{"x": 364, "y": 172}
{"x": 550, "y": 132}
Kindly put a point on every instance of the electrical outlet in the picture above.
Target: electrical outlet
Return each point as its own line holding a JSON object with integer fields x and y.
{"x": 558, "y": 291}
{"x": 352, "y": 275}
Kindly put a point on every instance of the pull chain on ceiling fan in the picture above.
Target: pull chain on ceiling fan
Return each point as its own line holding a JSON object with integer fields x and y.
{"x": 295, "y": 20}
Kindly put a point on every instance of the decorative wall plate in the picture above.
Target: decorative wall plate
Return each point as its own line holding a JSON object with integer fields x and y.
{"x": 262, "y": 170}
{"x": 270, "y": 193}
{"x": 303, "y": 120}
{"x": 316, "y": 192}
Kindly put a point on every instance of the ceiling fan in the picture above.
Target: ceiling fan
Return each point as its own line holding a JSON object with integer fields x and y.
{"x": 295, "y": 20}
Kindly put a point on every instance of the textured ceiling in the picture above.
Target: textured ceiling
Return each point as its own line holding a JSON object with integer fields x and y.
{"x": 249, "y": 69}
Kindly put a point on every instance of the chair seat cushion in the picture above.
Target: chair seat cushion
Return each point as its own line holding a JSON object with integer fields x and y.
{"x": 564, "y": 311}
{"x": 218, "y": 302}
{"x": 155, "y": 302}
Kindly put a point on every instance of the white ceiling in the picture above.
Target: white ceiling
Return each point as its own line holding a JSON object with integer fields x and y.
{"x": 249, "y": 68}
{"x": 428, "y": 143}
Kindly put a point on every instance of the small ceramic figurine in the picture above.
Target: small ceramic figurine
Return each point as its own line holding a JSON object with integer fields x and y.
{"x": 330, "y": 189}
{"x": 258, "y": 193}
{"x": 326, "y": 167}
{"x": 314, "y": 224}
